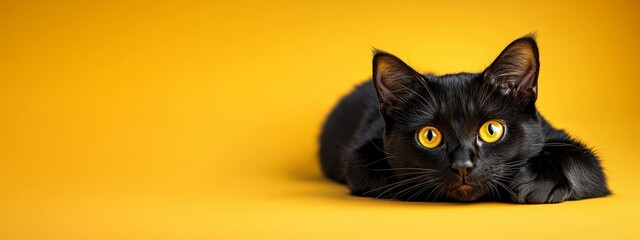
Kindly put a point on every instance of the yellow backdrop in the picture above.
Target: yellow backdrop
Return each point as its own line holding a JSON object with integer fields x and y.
{"x": 199, "y": 120}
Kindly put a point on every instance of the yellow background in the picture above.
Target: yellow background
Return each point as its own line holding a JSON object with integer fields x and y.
{"x": 199, "y": 120}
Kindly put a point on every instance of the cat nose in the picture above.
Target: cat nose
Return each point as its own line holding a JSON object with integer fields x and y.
{"x": 463, "y": 167}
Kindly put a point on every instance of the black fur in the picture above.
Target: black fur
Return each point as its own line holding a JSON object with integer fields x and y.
{"x": 369, "y": 141}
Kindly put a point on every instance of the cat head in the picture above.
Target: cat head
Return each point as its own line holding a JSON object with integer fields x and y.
{"x": 461, "y": 135}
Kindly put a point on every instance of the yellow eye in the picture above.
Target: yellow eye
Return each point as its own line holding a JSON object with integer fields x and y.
{"x": 429, "y": 137}
{"x": 491, "y": 131}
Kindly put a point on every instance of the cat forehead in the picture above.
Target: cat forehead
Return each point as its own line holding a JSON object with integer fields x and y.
{"x": 452, "y": 80}
{"x": 456, "y": 96}
{"x": 461, "y": 100}
{"x": 451, "y": 87}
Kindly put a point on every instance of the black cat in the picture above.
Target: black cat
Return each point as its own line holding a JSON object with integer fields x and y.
{"x": 457, "y": 137}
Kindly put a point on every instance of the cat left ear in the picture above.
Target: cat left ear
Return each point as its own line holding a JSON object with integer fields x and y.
{"x": 393, "y": 79}
{"x": 515, "y": 71}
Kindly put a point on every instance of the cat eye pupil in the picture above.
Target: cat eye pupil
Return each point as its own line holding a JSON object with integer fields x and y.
{"x": 490, "y": 128}
{"x": 430, "y": 135}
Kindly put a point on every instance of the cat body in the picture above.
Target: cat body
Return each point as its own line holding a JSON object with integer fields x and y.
{"x": 457, "y": 137}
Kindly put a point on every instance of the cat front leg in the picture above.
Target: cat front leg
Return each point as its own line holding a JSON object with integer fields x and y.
{"x": 564, "y": 170}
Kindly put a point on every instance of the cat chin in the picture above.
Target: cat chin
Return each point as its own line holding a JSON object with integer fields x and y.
{"x": 465, "y": 193}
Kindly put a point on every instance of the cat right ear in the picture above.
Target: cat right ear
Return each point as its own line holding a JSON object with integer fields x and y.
{"x": 393, "y": 78}
{"x": 515, "y": 71}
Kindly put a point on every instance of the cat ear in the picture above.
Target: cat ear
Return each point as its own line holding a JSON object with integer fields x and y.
{"x": 393, "y": 78}
{"x": 515, "y": 71}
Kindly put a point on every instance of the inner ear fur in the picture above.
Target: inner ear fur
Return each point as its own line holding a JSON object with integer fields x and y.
{"x": 515, "y": 70}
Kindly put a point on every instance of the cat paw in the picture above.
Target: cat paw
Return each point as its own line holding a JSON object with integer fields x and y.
{"x": 531, "y": 187}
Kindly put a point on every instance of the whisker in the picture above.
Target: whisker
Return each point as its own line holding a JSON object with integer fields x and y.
{"x": 391, "y": 169}
{"x": 374, "y": 162}
{"x": 409, "y": 173}
{"x": 506, "y": 188}
{"x": 393, "y": 185}
{"x": 440, "y": 191}
{"x": 379, "y": 149}
{"x": 401, "y": 183}
{"x": 421, "y": 183}
{"x": 425, "y": 187}
{"x": 436, "y": 188}
{"x": 407, "y": 189}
